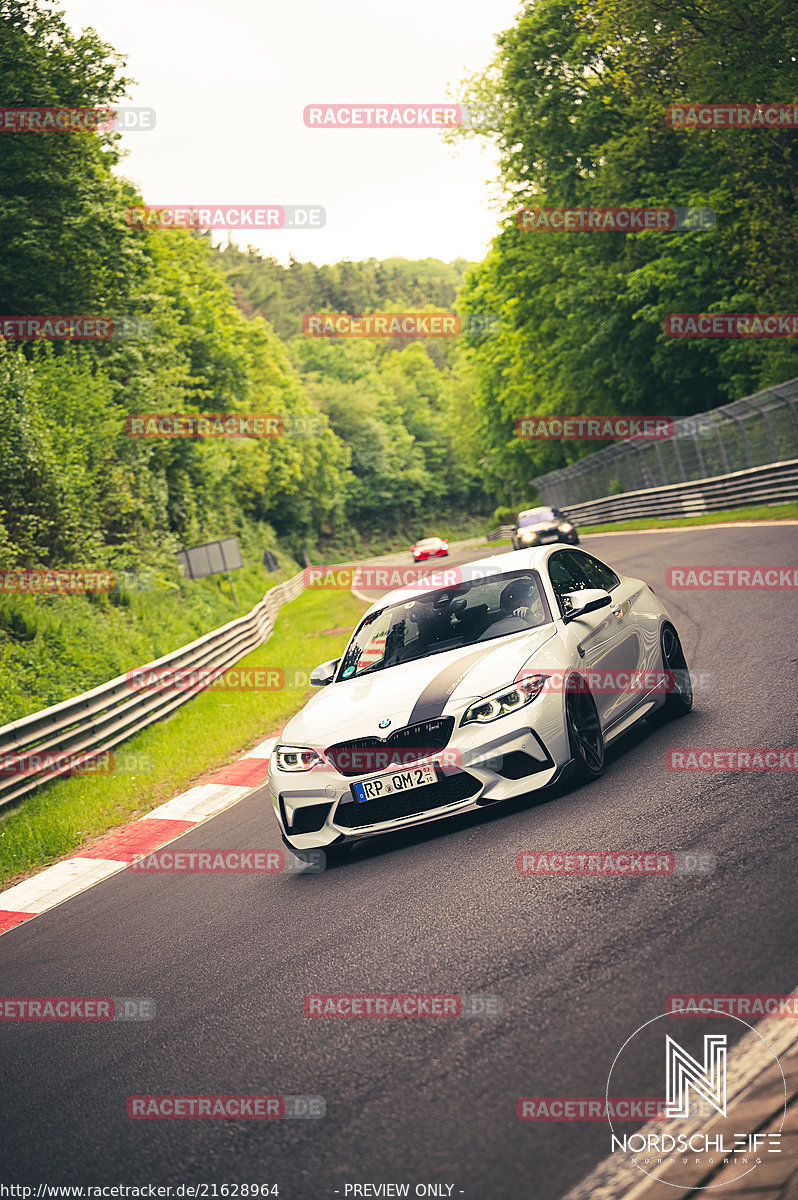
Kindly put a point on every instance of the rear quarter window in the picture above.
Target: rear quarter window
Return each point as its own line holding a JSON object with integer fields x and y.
{"x": 597, "y": 573}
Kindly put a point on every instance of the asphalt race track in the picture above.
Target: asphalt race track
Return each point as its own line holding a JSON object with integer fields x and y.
{"x": 578, "y": 964}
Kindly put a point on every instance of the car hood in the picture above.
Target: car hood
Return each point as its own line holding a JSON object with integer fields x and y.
{"x": 413, "y": 691}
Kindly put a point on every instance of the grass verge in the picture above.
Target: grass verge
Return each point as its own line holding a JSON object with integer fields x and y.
{"x": 204, "y": 734}
{"x": 53, "y": 647}
{"x": 759, "y": 512}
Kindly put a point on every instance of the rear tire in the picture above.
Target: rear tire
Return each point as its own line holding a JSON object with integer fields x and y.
{"x": 584, "y": 731}
{"x": 679, "y": 698}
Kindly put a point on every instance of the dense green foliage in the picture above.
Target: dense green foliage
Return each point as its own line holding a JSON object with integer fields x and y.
{"x": 576, "y": 100}
{"x": 284, "y": 294}
{"x": 408, "y": 437}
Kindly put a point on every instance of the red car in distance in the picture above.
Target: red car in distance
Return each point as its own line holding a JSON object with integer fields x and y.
{"x": 430, "y": 548}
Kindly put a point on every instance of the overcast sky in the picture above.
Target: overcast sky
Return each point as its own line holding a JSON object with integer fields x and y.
{"x": 229, "y": 83}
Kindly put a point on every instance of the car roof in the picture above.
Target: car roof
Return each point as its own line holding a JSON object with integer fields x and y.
{"x": 514, "y": 561}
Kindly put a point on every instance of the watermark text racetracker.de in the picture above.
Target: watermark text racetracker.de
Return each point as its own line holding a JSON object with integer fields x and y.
{"x": 344, "y": 577}
{"x": 226, "y": 216}
{"x": 48, "y": 581}
{"x": 224, "y": 1107}
{"x": 731, "y": 578}
{"x": 590, "y": 1108}
{"x": 599, "y": 428}
{"x": 107, "y": 762}
{"x": 77, "y": 1008}
{"x": 400, "y": 324}
{"x": 444, "y": 115}
{"x": 739, "y": 325}
{"x": 61, "y": 119}
{"x": 222, "y": 425}
{"x": 447, "y": 1006}
{"x": 732, "y": 116}
{"x": 759, "y": 1005}
{"x": 219, "y": 679}
{"x": 221, "y": 862}
{"x": 629, "y": 219}
{"x": 62, "y": 328}
{"x": 56, "y": 763}
{"x": 734, "y": 760}
{"x": 603, "y": 863}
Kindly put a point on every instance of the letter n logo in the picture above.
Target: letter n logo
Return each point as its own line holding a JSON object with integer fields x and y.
{"x": 682, "y": 1072}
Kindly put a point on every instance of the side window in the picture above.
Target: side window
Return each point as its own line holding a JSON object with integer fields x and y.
{"x": 598, "y": 574}
{"x": 566, "y": 576}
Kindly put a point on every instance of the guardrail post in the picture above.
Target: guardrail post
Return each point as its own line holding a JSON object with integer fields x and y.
{"x": 790, "y": 402}
{"x": 702, "y": 466}
{"x": 740, "y": 423}
{"x": 768, "y": 429}
{"x": 677, "y": 454}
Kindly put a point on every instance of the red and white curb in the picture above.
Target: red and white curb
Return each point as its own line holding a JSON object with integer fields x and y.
{"x": 122, "y": 846}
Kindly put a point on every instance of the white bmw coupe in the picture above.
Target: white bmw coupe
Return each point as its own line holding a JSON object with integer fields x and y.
{"x": 475, "y": 685}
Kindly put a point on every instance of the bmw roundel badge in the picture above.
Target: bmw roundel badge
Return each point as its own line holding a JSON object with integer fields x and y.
{"x": 384, "y": 724}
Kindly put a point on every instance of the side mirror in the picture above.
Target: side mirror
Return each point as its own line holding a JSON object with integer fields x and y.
{"x": 322, "y": 675}
{"x": 579, "y": 603}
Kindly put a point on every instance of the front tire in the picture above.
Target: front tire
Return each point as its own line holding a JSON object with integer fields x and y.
{"x": 584, "y": 731}
{"x": 679, "y": 698}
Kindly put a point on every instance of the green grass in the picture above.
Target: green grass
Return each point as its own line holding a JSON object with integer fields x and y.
{"x": 205, "y": 733}
{"x": 759, "y": 512}
{"x": 55, "y": 647}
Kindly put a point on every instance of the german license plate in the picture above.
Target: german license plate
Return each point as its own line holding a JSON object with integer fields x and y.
{"x": 397, "y": 781}
{"x": 549, "y": 537}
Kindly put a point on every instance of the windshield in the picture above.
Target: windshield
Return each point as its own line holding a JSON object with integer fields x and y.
{"x": 429, "y": 542}
{"x": 534, "y": 516}
{"x": 447, "y": 619}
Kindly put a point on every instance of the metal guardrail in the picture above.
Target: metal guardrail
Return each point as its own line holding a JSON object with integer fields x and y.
{"x": 755, "y": 431}
{"x": 772, "y": 484}
{"x": 91, "y": 724}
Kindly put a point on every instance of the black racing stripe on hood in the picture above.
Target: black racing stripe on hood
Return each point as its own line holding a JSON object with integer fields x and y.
{"x": 435, "y": 696}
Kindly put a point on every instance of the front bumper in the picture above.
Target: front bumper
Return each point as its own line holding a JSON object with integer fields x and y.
{"x": 481, "y": 765}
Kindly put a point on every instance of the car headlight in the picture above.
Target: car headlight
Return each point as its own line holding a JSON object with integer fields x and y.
{"x": 529, "y": 536}
{"x": 297, "y": 758}
{"x": 499, "y": 704}
{"x": 566, "y": 527}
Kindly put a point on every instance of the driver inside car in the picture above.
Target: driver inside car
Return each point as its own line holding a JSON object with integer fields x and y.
{"x": 520, "y": 599}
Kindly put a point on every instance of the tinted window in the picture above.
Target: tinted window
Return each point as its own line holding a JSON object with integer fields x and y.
{"x": 492, "y": 606}
{"x": 534, "y": 516}
{"x": 566, "y": 576}
{"x": 597, "y": 573}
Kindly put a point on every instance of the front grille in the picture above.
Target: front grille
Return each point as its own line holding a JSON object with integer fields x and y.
{"x": 449, "y": 789}
{"x": 365, "y": 756}
{"x": 308, "y": 819}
